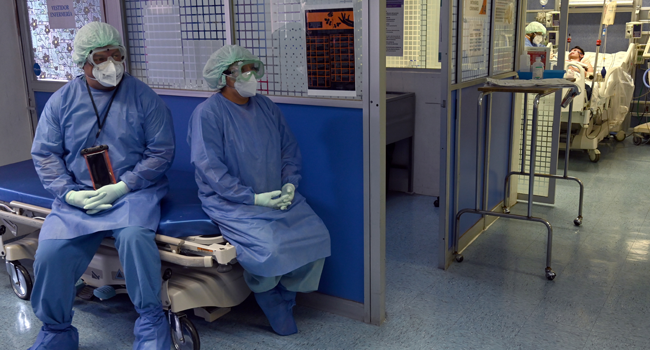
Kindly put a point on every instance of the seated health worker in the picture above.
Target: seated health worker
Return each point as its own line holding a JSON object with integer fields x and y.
{"x": 248, "y": 171}
{"x": 535, "y": 32}
{"x": 104, "y": 106}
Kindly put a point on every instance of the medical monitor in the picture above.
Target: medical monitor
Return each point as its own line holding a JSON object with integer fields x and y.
{"x": 552, "y": 36}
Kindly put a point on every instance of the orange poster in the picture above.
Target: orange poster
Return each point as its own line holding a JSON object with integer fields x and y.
{"x": 330, "y": 20}
{"x": 330, "y": 57}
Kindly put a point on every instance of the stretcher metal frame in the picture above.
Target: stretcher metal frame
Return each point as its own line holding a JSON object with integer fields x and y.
{"x": 483, "y": 156}
{"x": 213, "y": 284}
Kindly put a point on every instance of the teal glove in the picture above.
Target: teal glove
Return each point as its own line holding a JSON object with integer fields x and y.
{"x": 81, "y": 198}
{"x": 268, "y": 199}
{"x": 290, "y": 191}
{"x": 112, "y": 193}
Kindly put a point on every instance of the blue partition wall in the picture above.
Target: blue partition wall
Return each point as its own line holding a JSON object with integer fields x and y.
{"x": 501, "y": 106}
{"x": 331, "y": 141}
{"x": 499, "y": 151}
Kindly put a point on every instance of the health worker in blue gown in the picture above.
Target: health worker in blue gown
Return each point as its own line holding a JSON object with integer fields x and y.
{"x": 535, "y": 33}
{"x": 248, "y": 171}
{"x": 103, "y": 108}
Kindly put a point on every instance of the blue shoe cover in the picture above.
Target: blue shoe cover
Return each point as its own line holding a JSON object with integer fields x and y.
{"x": 50, "y": 338}
{"x": 104, "y": 292}
{"x": 278, "y": 311}
{"x": 79, "y": 285}
{"x": 288, "y": 296}
{"x": 152, "y": 330}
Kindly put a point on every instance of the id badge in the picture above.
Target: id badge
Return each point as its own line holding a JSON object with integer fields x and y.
{"x": 99, "y": 166}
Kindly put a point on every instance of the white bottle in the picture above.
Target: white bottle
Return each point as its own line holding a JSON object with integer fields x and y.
{"x": 538, "y": 68}
{"x": 524, "y": 62}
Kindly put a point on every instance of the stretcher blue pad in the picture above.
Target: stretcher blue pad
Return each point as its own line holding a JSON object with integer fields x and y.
{"x": 181, "y": 212}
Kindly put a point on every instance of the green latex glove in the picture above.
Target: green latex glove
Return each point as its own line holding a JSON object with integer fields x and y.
{"x": 82, "y": 198}
{"x": 112, "y": 193}
{"x": 268, "y": 199}
{"x": 289, "y": 190}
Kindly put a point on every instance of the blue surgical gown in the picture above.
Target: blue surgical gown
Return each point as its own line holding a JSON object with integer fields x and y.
{"x": 528, "y": 43}
{"x": 241, "y": 150}
{"x": 140, "y": 136}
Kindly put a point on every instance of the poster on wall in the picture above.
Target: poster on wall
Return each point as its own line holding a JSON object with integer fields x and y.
{"x": 504, "y": 12}
{"x": 61, "y": 14}
{"x": 329, "y": 36}
{"x": 394, "y": 27}
{"x": 473, "y": 41}
{"x": 474, "y": 8}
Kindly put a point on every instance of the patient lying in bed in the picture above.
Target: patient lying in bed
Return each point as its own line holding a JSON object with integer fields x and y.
{"x": 576, "y": 55}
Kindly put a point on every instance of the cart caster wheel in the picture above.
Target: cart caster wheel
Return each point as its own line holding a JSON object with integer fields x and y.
{"x": 436, "y": 203}
{"x": 184, "y": 335}
{"x": 459, "y": 258}
{"x": 21, "y": 281}
{"x": 550, "y": 275}
{"x": 594, "y": 155}
{"x": 506, "y": 210}
{"x": 637, "y": 140}
{"x": 577, "y": 221}
{"x": 620, "y": 136}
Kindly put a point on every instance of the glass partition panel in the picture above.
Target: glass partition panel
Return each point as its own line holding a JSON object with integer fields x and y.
{"x": 505, "y": 36}
{"x": 309, "y": 47}
{"x": 170, "y": 41}
{"x": 420, "y": 36}
{"x": 476, "y": 39}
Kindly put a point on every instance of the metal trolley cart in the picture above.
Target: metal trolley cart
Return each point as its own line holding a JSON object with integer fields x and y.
{"x": 482, "y": 156}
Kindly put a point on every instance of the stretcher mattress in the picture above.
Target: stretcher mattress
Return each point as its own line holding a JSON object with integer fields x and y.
{"x": 181, "y": 212}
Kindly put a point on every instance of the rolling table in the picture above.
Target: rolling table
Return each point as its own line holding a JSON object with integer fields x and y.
{"x": 482, "y": 208}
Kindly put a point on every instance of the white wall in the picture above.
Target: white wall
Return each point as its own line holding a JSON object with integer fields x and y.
{"x": 426, "y": 85}
{"x": 15, "y": 129}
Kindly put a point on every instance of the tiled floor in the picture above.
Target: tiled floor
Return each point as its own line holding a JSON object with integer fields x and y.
{"x": 497, "y": 298}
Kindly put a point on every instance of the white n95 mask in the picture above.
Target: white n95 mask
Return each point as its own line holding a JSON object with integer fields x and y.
{"x": 246, "y": 88}
{"x": 538, "y": 39}
{"x": 109, "y": 73}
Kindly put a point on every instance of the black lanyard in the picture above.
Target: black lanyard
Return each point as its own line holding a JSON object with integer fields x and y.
{"x": 101, "y": 123}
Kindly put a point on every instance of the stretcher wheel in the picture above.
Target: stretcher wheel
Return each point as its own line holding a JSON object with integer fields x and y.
{"x": 577, "y": 221}
{"x": 620, "y": 136}
{"x": 594, "y": 155}
{"x": 506, "y": 210}
{"x": 184, "y": 335}
{"x": 637, "y": 140}
{"x": 21, "y": 281}
{"x": 459, "y": 257}
{"x": 436, "y": 203}
{"x": 550, "y": 274}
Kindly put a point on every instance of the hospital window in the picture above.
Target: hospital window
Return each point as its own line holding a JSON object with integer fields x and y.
{"x": 52, "y": 47}
{"x": 421, "y": 36}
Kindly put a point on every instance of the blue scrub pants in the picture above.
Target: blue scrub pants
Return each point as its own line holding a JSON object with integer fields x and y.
{"x": 61, "y": 262}
{"x": 277, "y": 295}
{"x": 304, "y": 279}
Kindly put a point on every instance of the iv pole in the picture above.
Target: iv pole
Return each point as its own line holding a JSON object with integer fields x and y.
{"x": 600, "y": 30}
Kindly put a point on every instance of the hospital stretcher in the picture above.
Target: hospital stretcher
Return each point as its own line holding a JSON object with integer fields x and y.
{"x": 595, "y": 119}
{"x": 199, "y": 268}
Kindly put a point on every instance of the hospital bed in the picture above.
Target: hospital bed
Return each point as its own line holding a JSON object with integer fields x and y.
{"x": 199, "y": 268}
{"x": 605, "y": 113}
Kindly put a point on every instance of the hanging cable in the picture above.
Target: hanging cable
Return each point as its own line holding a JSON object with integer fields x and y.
{"x": 645, "y": 79}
